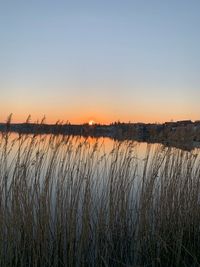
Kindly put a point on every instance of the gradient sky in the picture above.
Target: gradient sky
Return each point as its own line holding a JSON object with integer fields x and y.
{"x": 104, "y": 60}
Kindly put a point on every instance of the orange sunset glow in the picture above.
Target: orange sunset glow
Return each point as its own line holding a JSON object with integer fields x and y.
{"x": 107, "y": 67}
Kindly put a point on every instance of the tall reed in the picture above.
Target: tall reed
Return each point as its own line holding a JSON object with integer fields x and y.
{"x": 65, "y": 201}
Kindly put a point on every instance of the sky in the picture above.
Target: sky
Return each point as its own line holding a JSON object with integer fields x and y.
{"x": 105, "y": 60}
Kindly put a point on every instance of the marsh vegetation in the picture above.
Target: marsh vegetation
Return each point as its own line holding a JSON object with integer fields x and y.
{"x": 71, "y": 201}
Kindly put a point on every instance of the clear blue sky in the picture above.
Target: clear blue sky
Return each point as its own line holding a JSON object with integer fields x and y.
{"x": 102, "y": 60}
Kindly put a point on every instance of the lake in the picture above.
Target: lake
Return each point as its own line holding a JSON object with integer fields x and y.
{"x": 70, "y": 200}
{"x": 60, "y": 157}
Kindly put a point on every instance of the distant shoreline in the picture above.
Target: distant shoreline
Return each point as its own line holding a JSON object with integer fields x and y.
{"x": 183, "y": 134}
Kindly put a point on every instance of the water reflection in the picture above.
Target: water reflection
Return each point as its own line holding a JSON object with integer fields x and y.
{"x": 38, "y": 153}
{"x": 58, "y": 190}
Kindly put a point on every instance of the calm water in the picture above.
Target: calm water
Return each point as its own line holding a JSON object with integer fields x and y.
{"x": 57, "y": 156}
{"x": 54, "y": 165}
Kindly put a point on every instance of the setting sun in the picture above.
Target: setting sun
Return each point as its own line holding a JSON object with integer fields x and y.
{"x": 91, "y": 122}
